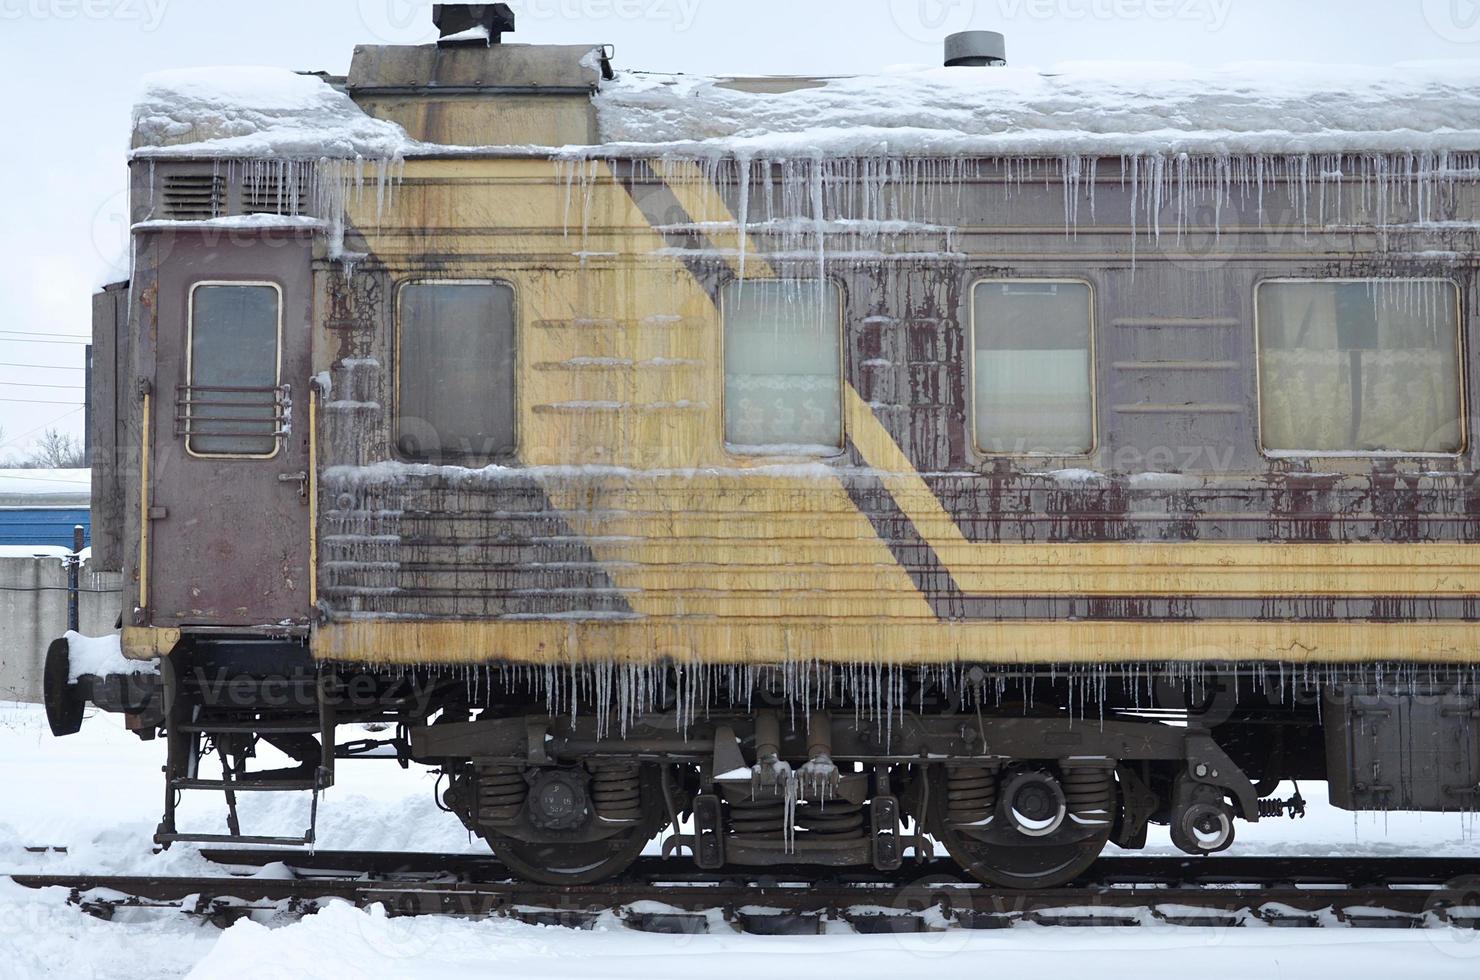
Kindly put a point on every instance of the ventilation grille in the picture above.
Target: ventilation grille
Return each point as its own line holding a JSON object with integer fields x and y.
{"x": 274, "y": 194}
{"x": 194, "y": 197}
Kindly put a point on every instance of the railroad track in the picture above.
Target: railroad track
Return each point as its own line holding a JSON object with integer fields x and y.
{"x": 672, "y": 896}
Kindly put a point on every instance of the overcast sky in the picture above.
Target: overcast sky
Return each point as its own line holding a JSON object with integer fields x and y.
{"x": 68, "y": 69}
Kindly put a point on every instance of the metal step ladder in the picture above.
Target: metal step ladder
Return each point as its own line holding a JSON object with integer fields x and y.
{"x": 194, "y": 731}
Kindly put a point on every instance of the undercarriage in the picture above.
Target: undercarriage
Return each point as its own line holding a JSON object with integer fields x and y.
{"x": 1023, "y": 775}
{"x": 1020, "y": 802}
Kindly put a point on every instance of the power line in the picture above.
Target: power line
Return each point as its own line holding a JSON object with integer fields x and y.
{"x": 23, "y": 384}
{"x": 58, "y": 588}
{"x": 42, "y": 367}
{"x": 11, "y": 474}
{"x": 56, "y": 343}
{"x": 40, "y": 333}
{"x": 45, "y": 425}
{"x": 29, "y": 401}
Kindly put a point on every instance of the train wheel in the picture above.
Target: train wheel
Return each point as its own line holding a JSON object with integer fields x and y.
{"x": 628, "y": 794}
{"x": 1026, "y": 827}
{"x": 572, "y": 864}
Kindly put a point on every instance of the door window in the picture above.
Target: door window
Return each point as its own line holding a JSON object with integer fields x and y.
{"x": 233, "y": 405}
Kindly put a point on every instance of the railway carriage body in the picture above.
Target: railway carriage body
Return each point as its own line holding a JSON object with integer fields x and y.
{"x": 794, "y": 497}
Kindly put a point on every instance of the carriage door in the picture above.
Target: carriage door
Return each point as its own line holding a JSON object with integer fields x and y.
{"x": 229, "y": 508}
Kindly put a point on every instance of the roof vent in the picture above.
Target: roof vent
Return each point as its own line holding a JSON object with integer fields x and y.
{"x": 976, "y": 49}
{"x": 472, "y": 25}
{"x": 275, "y": 193}
{"x": 194, "y": 197}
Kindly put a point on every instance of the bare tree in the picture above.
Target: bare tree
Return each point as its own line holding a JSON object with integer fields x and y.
{"x": 56, "y": 450}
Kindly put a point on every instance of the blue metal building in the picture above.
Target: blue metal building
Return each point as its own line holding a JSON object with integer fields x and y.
{"x": 41, "y": 507}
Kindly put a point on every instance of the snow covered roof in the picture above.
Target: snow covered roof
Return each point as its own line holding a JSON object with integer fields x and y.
{"x": 256, "y": 112}
{"x": 1107, "y": 109}
{"x": 1103, "y": 109}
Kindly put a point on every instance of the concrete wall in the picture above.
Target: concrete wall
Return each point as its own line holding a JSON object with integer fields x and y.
{"x": 33, "y": 612}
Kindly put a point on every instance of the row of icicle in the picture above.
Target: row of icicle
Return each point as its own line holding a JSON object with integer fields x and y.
{"x": 618, "y": 695}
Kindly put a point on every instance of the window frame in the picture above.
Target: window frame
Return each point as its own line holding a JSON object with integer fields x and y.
{"x": 726, "y": 445}
{"x": 278, "y": 440}
{"x": 395, "y": 422}
{"x": 1094, "y": 366}
{"x": 1461, "y": 360}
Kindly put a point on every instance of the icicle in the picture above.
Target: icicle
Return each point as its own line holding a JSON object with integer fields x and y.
{"x": 742, "y": 213}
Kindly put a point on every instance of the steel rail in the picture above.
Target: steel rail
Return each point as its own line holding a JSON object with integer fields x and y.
{"x": 1219, "y": 892}
{"x": 1164, "y": 871}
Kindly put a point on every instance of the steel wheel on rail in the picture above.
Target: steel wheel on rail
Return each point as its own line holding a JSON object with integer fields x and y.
{"x": 1026, "y": 825}
{"x": 562, "y": 864}
{"x": 575, "y": 826}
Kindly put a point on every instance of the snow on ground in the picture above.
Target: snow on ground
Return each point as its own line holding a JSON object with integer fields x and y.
{"x": 42, "y": 936}
{"x": 99, "y": 794}
{"x": 346, "y": 942}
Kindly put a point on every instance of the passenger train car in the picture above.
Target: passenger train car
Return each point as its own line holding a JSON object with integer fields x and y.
{"x": 799, "y": 469}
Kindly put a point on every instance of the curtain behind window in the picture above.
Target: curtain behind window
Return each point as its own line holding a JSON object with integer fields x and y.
{"x": 1369, "y": 366}
{"x": 1034, "y": 371}
{"x": 783, "y": 366}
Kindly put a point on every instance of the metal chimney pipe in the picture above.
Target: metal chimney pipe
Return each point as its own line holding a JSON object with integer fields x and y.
{"x": 472, "y": 24}
{"x": 976, "y": 49}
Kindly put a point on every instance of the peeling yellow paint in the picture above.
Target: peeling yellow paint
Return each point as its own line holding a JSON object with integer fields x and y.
{"x": 728, "y": 560}
{"x": 148, "y": 643}
{"x": 1155, "y": 568}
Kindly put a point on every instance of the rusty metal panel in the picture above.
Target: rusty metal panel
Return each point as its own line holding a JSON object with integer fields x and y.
{"x": 228, "y": 538}
{"x": 113, "y": 402}
{"x": 495, "y": 67}
{"x": 627, "y": 513}
{"x": 1402, "y": 749}
{"x": 626, "y": 529}
{"x": 504, "y": 94}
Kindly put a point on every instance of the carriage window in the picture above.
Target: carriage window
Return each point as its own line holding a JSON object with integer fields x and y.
{"x": 783, "y": 367}
{"x": 1360, "y": 366}
{"x": 456, "y": 371}
{"x": 1034, "y": 368}
{"x": 231, "y": 406}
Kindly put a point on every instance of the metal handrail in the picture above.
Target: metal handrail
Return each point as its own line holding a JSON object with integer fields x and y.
{"x": 191, "y": 421}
